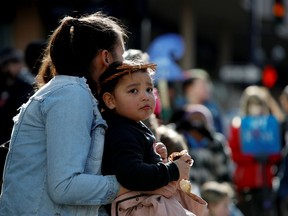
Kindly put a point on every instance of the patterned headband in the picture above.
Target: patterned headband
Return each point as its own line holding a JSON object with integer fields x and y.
{"x": 128, "y": 68}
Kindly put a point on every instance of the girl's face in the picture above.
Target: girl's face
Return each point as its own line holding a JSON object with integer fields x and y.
{"x": 221, "y": 208}
{"x": 255, "y": 109}
{"x": 133, "y": 97}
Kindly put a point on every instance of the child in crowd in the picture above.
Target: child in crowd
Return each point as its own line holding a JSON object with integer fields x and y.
{"x": 218, "y": 196}
{"x": 256, "y": 126}
{"x": 126, "y": 98}
{"x": 197, "y": 88}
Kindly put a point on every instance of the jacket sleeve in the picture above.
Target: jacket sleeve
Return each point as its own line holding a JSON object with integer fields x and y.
{"x": 234, "y": 141}
{"x": 69, "y": 118}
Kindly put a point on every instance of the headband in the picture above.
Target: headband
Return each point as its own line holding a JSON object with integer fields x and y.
{"x": 128, "y": 68}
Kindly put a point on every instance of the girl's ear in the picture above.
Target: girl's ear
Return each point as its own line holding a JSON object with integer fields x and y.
{"x": 108, "y": 99}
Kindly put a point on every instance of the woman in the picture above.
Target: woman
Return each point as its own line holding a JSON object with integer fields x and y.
{"x": 54, "y": 162}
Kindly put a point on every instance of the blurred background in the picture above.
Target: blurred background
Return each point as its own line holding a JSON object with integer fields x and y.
{"x": 238, "y": 42}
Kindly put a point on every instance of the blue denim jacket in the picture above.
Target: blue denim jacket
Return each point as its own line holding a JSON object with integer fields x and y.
{"x": 54, "y": 162}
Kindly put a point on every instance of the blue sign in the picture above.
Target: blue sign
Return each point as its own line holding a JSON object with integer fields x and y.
{"x": 260, "y": 135}
{"x": 165, "y": 50}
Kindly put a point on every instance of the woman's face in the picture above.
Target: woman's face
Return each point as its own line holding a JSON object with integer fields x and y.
{"x": 117, "y": 54}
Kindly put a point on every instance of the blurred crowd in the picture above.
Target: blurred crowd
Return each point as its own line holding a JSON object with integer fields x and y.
{"x": 241, "y": 172}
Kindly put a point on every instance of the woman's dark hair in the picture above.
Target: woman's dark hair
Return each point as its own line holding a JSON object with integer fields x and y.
{"x": 74, "y": 44}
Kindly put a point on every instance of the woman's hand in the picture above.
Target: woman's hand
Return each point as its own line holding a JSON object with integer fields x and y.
{"x": 161, "y": 149}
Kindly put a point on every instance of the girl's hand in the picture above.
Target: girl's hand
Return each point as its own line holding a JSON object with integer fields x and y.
{"x": 184, "y": 163}
{"x": 176, "y": 155}
{"x": 161, "y": 149}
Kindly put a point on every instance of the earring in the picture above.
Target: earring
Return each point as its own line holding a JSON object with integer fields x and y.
{"x": 111, "y": 107}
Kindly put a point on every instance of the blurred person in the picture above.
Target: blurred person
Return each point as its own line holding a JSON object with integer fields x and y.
{"x": 126, "y": 97}
{"x": 15, "y": 89}
{"x": 173, "y": 140}
{"x": 53, "y": 166}
{"x": 282, "y": 190}
{"x": 33, "y": 55}
{"x": 136, "y": 55}
{"x": 219, "y": 197}
{"x": 208, "y": 148}
{"x": 13, "y": 65}
{"x": 197, "y": 89}
{"x": 254, "y": 169}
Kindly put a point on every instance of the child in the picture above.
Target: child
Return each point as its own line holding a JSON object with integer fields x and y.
{"x": 218, "y": 197}
{"x": 255, "y": 169}
{"x": 126, "y": 96}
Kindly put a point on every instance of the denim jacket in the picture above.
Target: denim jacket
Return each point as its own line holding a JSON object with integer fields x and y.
{"x": 53, "y": 166}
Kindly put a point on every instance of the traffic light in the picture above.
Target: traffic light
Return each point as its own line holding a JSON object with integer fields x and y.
{"x": 278, "y": 11}
{"x": 269, "y": 76}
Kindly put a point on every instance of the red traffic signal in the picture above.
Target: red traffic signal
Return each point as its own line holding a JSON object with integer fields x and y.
{"x": 278, "y": 9}
{"x": 269, "y": 76}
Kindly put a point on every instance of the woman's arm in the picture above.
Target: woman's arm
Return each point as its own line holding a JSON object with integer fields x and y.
{"x": 69, "y": 118}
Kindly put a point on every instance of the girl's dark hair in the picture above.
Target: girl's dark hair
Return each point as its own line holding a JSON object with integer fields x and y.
{"x": 74, "y": 44}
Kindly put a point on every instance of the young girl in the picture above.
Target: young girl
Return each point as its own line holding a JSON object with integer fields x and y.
{"x": 126, "y": 96}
